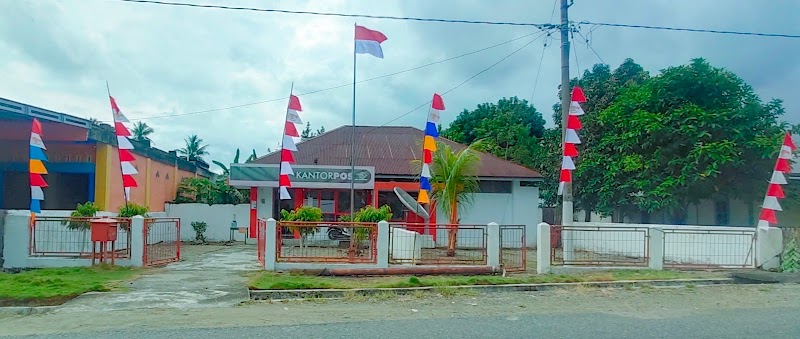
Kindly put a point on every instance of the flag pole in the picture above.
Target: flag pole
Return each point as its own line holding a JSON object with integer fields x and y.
{"x": 353, "y": 134}
{"x": 113, "y": 118}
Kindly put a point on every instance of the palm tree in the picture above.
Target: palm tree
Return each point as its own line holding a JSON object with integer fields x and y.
{"x": 194, "y": 149}
{"x": 454, "y": 181}
{"x": 141, "y": 132}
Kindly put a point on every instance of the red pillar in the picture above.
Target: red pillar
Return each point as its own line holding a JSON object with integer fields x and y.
{"x": 253, "y": 212}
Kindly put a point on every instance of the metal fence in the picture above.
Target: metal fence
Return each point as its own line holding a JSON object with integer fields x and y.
{"x": 600, "y": 246}
{"x": 407, "y": 245}
{"x": 162, "y": 241}
{"x": 790, "y": 253}
{"x": 261, "y": 242}
{"x": 70, "y": 237}
{"x": 708, "y": 249}
{"x": 327, "y": 242}
{"x": 513, "y": 252}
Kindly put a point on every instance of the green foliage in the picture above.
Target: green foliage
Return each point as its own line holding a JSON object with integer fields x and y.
{"x": 509, "y": 129}
{"x": 141, "y": 132}
{"x": 204, "y": 191}
{"x": 85, "y": 210}
{"x": 790, "y": 258}
{"x": 194, "y": 149}
{"x": 132, "y": 209}
{"x": 303, "y": 214}
{"x": 307, "y": 133}
{"x": 368, "y": 214}
{"x": 199, "y": 230}
{"x": 455, "y": 176}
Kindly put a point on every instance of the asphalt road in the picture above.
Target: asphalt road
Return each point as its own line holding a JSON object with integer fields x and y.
{"x": 742, "y": 323}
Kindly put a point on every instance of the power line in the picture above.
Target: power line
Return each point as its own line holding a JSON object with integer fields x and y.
{"x": 460, "y": 21}
{"x": 694, "y": 30}
{"x": 586, "y": 41}
{"x": 344, "y": 15}
{"x": 343, "y": 85}
{"x": 446, "y": 92}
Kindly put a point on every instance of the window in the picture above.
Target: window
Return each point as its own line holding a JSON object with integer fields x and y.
{"x": 488, "y": 186}
{"x": 722, "y": 212}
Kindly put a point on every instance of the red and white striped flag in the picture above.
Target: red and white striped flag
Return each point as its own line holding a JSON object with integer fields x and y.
{"x": 571, "y": 138}
{"x": 126, "y": 158}
{"x": 774, "y": 190}
{"x": 288, "y": 146}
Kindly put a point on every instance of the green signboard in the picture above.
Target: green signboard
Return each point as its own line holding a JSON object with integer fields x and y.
{"x": 305, "y": 176}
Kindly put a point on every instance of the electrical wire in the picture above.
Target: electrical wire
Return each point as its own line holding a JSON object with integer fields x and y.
{"x": 372, "y": 129}
{"x": 343, "y": 85}
{"x": 344, "y": 15}
{"x": 586, "y": 40}
{"x": 461, "y": 21}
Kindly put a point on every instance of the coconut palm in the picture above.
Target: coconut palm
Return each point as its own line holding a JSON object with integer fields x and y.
{"x": 454, "y": 181}
{"x": 141, "y": 132}
{"x": 194, "y": 149}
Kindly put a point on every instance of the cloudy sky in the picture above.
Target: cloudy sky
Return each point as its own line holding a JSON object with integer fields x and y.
{"x": 165, "y": 63}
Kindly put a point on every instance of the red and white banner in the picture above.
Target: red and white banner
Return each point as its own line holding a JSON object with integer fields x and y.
{"x": 774, "y": 190}
{"x": 288, "y": 146}
{"x": 571, "y": 138}
{"x": 126, "y": 158}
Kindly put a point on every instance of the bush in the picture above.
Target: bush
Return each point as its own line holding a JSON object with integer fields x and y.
{"x": 199, "y": 230}
{"x": 370, "y": 214}
{"x": 132, "y": 209}
{"x": 85, "y": 210}
{"x": 303, "y": 214}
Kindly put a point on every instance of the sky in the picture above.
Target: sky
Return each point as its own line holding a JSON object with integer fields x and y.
{"x": 175, "y": 67}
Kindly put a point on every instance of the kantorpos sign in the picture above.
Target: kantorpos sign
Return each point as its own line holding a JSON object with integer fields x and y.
{"x": 305, "y": 176}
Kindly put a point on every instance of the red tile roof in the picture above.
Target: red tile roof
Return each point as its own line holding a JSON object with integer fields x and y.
{"x": 390, "y": 149}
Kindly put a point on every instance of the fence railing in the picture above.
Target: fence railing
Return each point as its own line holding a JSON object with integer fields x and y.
{"x": 328, "y": 242}
{"x": 70, "y": 237}
{"x": 600, "y": 246}
{"x": 407, "y": 245}
{"x": 513, "y": 252}
{"x": 261, "y": 243}
{"x": 162, "y": 240}
{"x": 708, "y": 249}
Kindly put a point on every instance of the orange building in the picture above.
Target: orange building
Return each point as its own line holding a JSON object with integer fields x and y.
{"x": 83, "y": 163}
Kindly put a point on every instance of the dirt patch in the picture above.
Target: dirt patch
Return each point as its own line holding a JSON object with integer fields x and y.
{"x": 34, "y": 302}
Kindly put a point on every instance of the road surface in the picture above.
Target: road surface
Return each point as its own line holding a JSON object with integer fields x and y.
{"x": 769, "y": 311}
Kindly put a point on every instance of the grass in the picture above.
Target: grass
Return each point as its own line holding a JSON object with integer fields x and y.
{"x": 53, "y": 286}
{"x": 295, "y": 281}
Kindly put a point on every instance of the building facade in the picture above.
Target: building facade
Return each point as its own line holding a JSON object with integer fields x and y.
{"x": 508, "y": 194}
{"x": 83, "y": 163}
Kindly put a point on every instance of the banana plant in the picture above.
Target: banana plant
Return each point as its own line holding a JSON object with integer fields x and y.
{"x": 226, "y": 170}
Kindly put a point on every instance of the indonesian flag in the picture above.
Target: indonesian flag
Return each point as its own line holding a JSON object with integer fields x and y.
{"x": 774, "y": 190}
{"x": 288, "y": 146}
{"x": 126, "y": 158}
{"x": 571, "y": 138}
{"x": 369, "y": 41}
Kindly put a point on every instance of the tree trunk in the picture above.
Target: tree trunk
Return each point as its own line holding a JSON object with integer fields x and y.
{"x": 452, "y": 230}
{"x": 588, "y": 216}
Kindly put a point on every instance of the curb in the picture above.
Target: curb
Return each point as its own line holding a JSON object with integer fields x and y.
{"x": 340, "y": 293}
{"x": 23, "y": 310}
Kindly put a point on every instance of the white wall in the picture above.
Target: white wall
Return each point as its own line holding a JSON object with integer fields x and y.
{"x": 521, "y": 207}
{"x": 702, "y": 213}
{"x": 217, "y": 217}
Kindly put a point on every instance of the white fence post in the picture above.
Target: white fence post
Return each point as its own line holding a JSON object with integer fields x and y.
{"x": 493, "y": 245}
{"x": 543, "y": 248}
{"x": 17, "y": 239}
{"x": 137, "y": 235}
{"x": 271, "y": 244}
{"x": 769, "y": 246}
{"x": 656, "y": 246}
{"x": 383, "y": 244}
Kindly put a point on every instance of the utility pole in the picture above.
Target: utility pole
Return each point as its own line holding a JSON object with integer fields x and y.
{"x": 566, "y": 204}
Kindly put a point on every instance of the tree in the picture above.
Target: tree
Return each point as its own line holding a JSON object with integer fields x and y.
{"x": 141, "y": 132}
{"x": 226, "y": 171}
{"x": 693, "y": 132}
{"x": 307, "y": 133}
{"x": 204, "y": 191}
{"x": 194, "y": 149}
{"x": 509, "y": 129}
{"x": 454, "y": 181}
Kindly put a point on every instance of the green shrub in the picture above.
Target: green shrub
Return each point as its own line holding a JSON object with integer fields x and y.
{"x": 85, "y": 210}
{"x": 370, "y": 214}
{"x": 303, "y": 214}
{"x": 132, "y": 209}
{"x": 199, "y": 230}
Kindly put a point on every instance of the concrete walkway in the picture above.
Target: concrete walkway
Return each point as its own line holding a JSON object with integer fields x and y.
{"x": 207, "y": 276}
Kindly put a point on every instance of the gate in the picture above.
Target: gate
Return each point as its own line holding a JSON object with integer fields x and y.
{"x": 513, "y": 252}
{"x": 162, "y": 241}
